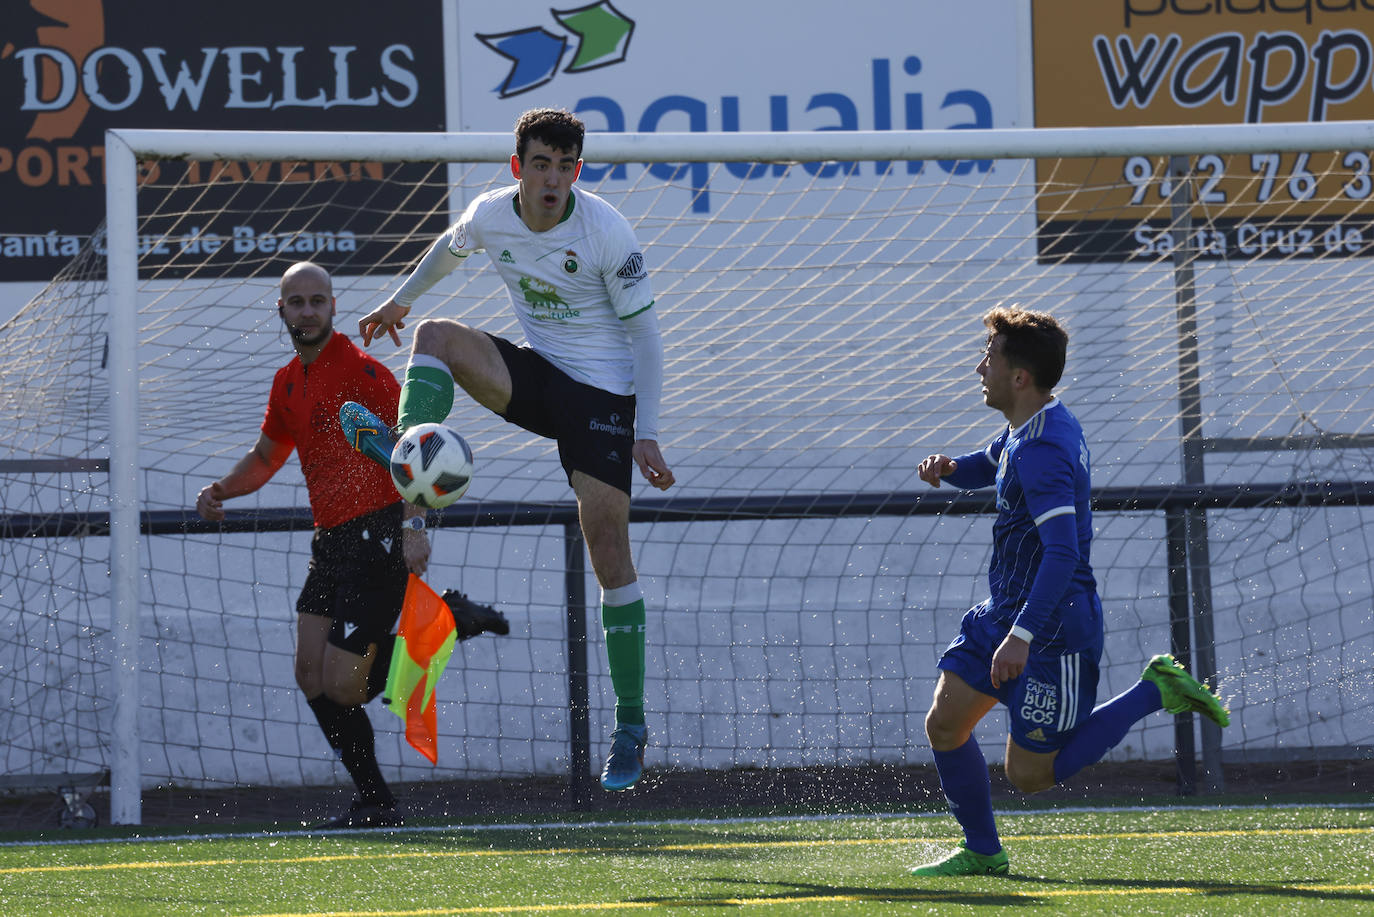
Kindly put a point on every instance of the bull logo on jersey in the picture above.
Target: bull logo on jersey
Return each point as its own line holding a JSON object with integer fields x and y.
{"x": 544, "y": 302}
{"x": 539, "y": 294}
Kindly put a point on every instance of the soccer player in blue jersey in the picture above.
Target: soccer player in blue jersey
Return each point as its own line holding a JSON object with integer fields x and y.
{"x": 1035, "y": 643}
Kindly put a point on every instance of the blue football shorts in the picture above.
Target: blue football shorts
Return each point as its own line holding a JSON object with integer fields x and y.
{"x": 1055, "y": 693}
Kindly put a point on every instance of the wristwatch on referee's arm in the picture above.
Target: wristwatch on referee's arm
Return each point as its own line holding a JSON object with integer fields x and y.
{"x": 414, "y": 523}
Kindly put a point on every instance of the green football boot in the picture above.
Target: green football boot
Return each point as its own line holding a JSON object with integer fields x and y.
{"x": 1182, "y": 693}
{"x": 964, "y": 862}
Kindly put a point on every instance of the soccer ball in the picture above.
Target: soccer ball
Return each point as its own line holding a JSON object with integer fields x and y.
{"x": 431, "y": 465}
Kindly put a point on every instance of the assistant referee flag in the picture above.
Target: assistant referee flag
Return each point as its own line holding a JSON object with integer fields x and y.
{"x": 424, "y": 643}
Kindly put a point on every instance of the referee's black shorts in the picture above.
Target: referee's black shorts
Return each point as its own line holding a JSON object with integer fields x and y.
{"x": 357, "y": 577}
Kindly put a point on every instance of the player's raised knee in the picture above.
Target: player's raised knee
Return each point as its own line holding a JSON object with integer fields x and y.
{"x": 463, "y": 349}
{"x": 435, "y": 335}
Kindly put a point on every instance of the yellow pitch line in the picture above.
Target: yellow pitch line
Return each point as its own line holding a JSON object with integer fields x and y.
{"x": 1122, "y": 835}
{"x": 319, "y": 858}
{"x": 659, "y": 848}
{"x": 894, "y": 896}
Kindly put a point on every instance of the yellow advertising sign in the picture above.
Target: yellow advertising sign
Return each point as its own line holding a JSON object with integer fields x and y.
{"x": 1151, "y": 62}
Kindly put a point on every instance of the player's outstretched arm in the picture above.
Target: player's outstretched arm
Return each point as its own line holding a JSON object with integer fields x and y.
{"x": 936, "y": 467}
{"x": 651, "y": 464}
{"x": 433, "y": 267}
{"x": 389, "y": 318}
{"x": 210, "y": 502}
{"x": 248, "y": 474}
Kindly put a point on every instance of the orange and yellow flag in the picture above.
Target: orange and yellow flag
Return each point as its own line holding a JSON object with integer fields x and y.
{"x": 424, "y": 643}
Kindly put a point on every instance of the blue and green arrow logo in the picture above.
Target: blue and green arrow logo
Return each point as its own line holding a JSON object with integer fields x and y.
{"x": 602, "y": 35}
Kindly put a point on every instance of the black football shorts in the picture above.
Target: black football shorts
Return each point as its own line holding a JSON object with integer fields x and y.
{"x": 594, "y": 428}
{"x": 357, "y": 577}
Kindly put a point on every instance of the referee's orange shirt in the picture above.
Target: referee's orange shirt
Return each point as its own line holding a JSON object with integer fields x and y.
{"x": 303, "y": 410}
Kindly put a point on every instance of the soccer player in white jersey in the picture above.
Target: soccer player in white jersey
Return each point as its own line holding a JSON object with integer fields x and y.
{"x": 1035, "y": 643}
{"x": 589, "y": 374}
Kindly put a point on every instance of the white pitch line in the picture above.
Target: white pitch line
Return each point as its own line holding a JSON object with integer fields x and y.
{"x": 655, "y": 822}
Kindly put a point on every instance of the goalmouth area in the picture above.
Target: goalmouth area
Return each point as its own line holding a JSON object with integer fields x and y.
{"x": 821, "y": 297}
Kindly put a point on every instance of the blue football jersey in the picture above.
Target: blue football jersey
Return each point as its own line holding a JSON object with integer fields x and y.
{"x": 1041, "y": 470}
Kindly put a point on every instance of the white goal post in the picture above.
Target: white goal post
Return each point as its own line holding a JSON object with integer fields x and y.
{"x": 125, "y": 149}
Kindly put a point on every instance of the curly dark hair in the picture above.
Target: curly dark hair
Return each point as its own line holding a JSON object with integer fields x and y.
{"x": 1032, "y": 341}
{"x": 560, "y": 129}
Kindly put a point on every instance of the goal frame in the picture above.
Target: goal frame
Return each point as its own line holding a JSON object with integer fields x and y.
{"x": 125, "y": 148}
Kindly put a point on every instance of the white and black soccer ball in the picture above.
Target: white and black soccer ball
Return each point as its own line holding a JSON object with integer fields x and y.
{"x": 431, "y": 465}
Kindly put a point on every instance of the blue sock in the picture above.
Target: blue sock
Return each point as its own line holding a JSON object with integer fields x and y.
{"x": 964, "y": 778}
{"x": 1105, "y": 727}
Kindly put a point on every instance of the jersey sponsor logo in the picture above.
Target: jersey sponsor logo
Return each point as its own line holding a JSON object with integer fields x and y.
{"x": 348, "y": 629}
{"x": 506, "y": 257}
{"x": 632, "y": 271}
{"x": 544, "y": 301}
{"x": 602, "y": 36}
{"x": 1040, "y": 704}
{"x": 612, "y": 425}
{"x": 539, "y": 294}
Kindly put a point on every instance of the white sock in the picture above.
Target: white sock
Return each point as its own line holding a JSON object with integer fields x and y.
{"x": 424, "y": 359}
{"x": 621, "y": 595}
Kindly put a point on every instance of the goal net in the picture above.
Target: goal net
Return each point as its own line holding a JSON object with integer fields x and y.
{"x": 820, "y": 297}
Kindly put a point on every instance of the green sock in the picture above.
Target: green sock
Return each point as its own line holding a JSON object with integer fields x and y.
{"x": 624, "y": 625}
{"x": 426, "y": 396}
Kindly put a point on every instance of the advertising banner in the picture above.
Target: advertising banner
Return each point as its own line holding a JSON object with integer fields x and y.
{"x": 718, "y": 65}
{"x": 1134, "y": 62}
{"x": 70, "y": 69}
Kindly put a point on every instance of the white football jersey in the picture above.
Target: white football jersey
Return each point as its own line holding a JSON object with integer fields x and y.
{"x": 571, "y": 285}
